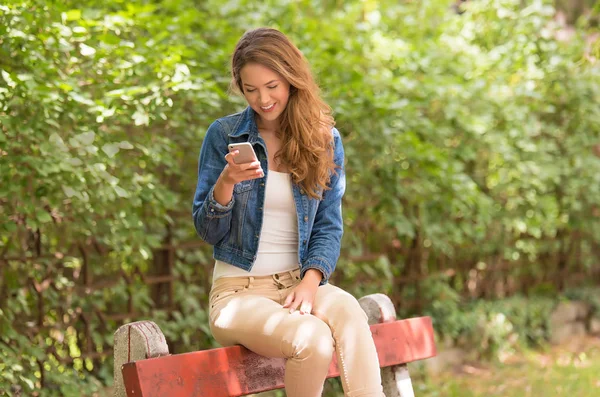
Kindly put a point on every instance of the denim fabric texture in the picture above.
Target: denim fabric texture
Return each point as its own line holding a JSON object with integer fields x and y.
{"x": 234, "y": 229}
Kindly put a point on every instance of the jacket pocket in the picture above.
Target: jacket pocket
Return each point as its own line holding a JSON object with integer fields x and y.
{"x": 243, "y": 186}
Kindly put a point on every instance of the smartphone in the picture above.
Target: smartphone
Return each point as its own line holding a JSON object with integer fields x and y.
{"x": 246, "y": 152}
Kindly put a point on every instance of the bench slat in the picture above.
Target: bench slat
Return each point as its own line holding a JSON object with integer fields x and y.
{"x": 236, "y": 371}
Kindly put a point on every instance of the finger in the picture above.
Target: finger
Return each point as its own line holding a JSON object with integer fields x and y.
{"x": 295, "y": 304}
{"x": 289, "y": 299}
{"x": 253, "y": 174}
{"x": 305, "y": 308}
{"x": 251, "y": 166}
{"x": 229, "y": 157}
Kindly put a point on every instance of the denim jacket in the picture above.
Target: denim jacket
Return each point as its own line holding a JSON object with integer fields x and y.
{"x": 234, "y": 229}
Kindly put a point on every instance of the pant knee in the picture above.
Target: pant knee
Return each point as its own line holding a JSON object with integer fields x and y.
{"x": 310, "y": 340}
{"x": 347, "y": 311}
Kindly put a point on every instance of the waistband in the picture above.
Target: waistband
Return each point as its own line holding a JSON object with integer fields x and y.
{"x": 248, "y": 281}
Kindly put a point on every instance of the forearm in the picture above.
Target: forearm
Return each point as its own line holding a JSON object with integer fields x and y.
{"x": 313, "y": 277}
{"x": 223, "y": 191}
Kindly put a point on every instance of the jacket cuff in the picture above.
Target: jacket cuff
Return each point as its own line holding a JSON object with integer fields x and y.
{"x": 318, "y": 263}
{"x": 216, "y": 210}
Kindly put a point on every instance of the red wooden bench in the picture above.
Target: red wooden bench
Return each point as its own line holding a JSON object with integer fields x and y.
{"x": 143, "y": 366}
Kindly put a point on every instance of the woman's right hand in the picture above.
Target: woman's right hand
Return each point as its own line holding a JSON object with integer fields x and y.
{"x": 234, "y": 173}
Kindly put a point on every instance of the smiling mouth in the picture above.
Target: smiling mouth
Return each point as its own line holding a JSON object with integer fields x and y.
{"x": 267, "y": 108}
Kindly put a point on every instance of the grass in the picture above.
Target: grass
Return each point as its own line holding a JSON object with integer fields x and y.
{"x": 571, "y": 370}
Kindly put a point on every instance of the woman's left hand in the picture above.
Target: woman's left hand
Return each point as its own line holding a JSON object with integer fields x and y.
{"x": 303, "y": 295}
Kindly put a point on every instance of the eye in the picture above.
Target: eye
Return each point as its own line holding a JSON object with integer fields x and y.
{"x": 249, "y": 90}
{"x": 273, "y": 87}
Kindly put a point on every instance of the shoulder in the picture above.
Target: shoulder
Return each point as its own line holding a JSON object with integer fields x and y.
{"x": 224, "y": 126}
{"x": 231, "y": 119}
{"x": 338, "y": 147}
{"x": 215, "y": 132}
{"x": 237, "y": 123}
{"x": 337, "y": 137}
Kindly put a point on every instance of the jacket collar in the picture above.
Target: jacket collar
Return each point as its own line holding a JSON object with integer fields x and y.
{"x": 246, "y": 125}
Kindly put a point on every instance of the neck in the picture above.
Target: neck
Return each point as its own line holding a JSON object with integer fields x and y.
{"x": 267, "y": 126}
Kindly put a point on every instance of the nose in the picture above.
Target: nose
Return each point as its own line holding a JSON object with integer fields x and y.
{"x": 264, "y": 98}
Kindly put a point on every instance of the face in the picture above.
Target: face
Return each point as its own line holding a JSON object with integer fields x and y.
{"x": 266, "y": 91}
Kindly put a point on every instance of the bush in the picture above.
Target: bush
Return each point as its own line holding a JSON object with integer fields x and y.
{"x": 469, "y": 138}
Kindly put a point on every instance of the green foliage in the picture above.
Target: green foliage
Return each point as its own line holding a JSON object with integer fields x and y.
{"x": 469, "y": 138}
{"x": 589, "y": 295}
{"x": 508, "y": 324}
{"x": 493, "y": 329}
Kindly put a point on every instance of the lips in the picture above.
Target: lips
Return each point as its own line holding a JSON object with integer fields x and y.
{"x": 267, "y": 109}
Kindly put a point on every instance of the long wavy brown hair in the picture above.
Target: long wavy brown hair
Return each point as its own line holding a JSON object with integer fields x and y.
{"x": 305, "y": 124}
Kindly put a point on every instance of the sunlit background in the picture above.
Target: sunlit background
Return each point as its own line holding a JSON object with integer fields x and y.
{"x": 472, "y": 136}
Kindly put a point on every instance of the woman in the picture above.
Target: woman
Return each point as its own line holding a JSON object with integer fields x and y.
{"x": 276, "y": 224}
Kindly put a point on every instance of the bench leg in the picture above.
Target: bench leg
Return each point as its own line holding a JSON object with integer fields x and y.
{"x": 133, "y": 342}
{"x": 396, "y": 380}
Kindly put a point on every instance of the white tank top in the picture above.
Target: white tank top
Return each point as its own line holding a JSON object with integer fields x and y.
{"x": 278, "y": 244}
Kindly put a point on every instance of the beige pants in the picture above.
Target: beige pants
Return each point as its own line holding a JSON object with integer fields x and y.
{"x": 248, "y": 311}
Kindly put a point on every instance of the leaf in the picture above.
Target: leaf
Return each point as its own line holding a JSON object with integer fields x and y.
{"x": 25, "y": 77}
{"x": 65, "y": 87}
{"x": 125, "y": 145}
{"x": 72, "y": 15}
{"x": 8, "y": 79}
{"x": 86, "y": 50}
{"x": 181, "y": 73}
{"x": 53, "y": 123}
{"x": 57, "y": 141}
{"x": 69, "y": 191}
{"x": 121, "y": 192}
{"x": 74, "y": 142}
{"x": 86, "y": 138}
{"x": 111, "y": 149}
{"x": 129, "y": 91}
{"x": 10, "y": 227}
{"x": 80, "y": 98}
{"x": 141, "y": 118}
{"x": 43, "y": 216}
{"x": 74, "y": 161}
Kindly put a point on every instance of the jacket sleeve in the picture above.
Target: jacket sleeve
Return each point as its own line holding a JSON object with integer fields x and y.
{"x": 326, "y": 236}
{"x": 211, "y": 219}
